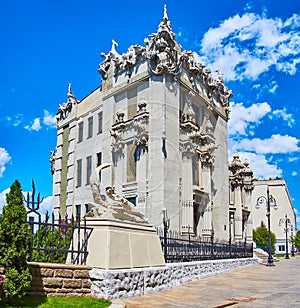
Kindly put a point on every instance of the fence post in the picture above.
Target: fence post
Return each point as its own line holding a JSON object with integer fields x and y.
{"x": 166, "y": 223}
{"x": 212, "y": 242}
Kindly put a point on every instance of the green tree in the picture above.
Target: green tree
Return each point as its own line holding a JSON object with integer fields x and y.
{"x": 296, "y": 240}
{"x": 54, "y": 244}
{"x": 14, "y": 244}
{"x": 260, "y": 237}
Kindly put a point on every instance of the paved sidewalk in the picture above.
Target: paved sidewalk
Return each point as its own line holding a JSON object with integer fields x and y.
{"x": 253, "y": 286}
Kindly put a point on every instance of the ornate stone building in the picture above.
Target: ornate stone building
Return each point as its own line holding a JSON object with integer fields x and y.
{"x": 160, "y": 119}
{"x": 240, "y": 196}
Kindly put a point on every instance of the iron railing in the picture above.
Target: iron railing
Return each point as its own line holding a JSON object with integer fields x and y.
{"x": 57, "y": 239}
{"x": 179, "y": 248}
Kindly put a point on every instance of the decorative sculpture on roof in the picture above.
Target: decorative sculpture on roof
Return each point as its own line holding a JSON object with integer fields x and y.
{"x": 164, "y": 56}
{"x": 162, "y": 50}
{"x": 240, "y": 174}
{"x": 108, "y": 204}
{"x": 65, "y": 108}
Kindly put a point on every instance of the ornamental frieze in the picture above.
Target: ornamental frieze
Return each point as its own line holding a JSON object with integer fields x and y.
{"x": 135, "y": 129}
{"x": 164, "y": 56}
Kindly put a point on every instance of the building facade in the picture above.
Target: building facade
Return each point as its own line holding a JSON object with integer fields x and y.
{"x": 281, "y": 207}
{"x": 160, "y": 119}
{"x": 241, "y": 185}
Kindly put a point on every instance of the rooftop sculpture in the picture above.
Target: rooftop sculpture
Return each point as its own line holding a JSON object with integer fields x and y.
{"x": 164, "y": 56}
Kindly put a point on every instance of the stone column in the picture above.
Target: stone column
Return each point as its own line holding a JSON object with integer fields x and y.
{"x": 206, "y": 184}
{"x": 238, "y": 218}
{"x": 247, "y": 205}
{"x": 141, "y": 179}
{"x": 187, "y": 221}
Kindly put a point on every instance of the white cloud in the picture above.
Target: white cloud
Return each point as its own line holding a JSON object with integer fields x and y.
{"x": 291, "y": 159}
{"x": 15, "y": 120}
{"x": 4, "y": 159}
{"x": 244, "y": 47}
{"x": 3, "y": 198}
{"x": 46, "y": 205}
{"x": 261, "y": 167}
{"x": 241, "y": 117}
{"x": 49, "y": 119}
{"x": 36, "y": 125}
{"x": 276, "y": 144}
{"x": 287, "y": 117}
{"x": 294, "y": 173}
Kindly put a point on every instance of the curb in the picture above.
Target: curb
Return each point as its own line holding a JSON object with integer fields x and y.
{"x": 117, "y": 303}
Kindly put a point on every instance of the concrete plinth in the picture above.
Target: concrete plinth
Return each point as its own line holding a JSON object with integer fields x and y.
{"x": 122, "y": 245}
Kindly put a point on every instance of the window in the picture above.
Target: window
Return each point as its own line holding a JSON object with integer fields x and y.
{"x": 80, "y": 132}
{"x": 100, "y": 122}
{"x": 99, "y": 162}
{"x": 132, "y": 103}
{"x": 88, "y": 169}
{"x": 78, "y": 212}
{"x": 90, "y": 127}
{"x": 87, "y": 208}
{"x": 79, "y": 172}
{"x": 281, "y": 248}
{"x": 99, "y": 159}
{"x": 131, "y": 162}
{"x": 195, "y": 167}
{"x": 132, "y": 200}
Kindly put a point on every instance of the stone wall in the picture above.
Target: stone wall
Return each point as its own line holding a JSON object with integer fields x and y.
{"x": 60, "y": 279}
{"x": 112, "y": 284}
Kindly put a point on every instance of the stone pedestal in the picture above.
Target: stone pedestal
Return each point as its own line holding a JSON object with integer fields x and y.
{"x": 116, "y": 244}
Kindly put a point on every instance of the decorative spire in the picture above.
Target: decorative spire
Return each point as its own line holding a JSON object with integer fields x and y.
{"x": 71, "y": 98}
{"x": 70, "y": 89}
{"x": 165, "y": 13}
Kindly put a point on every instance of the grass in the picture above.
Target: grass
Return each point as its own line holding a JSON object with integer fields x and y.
{"x": 55, "y": 302}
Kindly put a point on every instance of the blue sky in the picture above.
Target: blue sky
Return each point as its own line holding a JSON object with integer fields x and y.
{"x": 47, "y": 44}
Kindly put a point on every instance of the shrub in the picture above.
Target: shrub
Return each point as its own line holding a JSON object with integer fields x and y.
{"x": 14, "y": 244}
{"x": 53, "y": 243}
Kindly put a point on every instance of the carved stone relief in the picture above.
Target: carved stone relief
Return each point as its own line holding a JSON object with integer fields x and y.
{"x": 138, "y": 126}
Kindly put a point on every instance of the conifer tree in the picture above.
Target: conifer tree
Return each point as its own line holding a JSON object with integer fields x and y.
{"x": 14, "y": 243}
{"x": 260, "y": 237}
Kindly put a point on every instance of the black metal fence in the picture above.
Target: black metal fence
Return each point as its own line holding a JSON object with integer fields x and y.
{"x": 178, "y": 248}
{"x": 56, "y": 238}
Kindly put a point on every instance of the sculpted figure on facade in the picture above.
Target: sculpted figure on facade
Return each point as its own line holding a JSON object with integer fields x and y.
{"x": 189, "y": 114}
{"x": 52, "y": 161}
{"x": 105, "y": 65}
{"x": 162, "y": 49}
{"x": 131, "y": 57}
{"x": 109, "y": 204}
{"x": 65, "y": 108}
{"x": 142, "y": 105}
{"x": 188, "y": 58}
